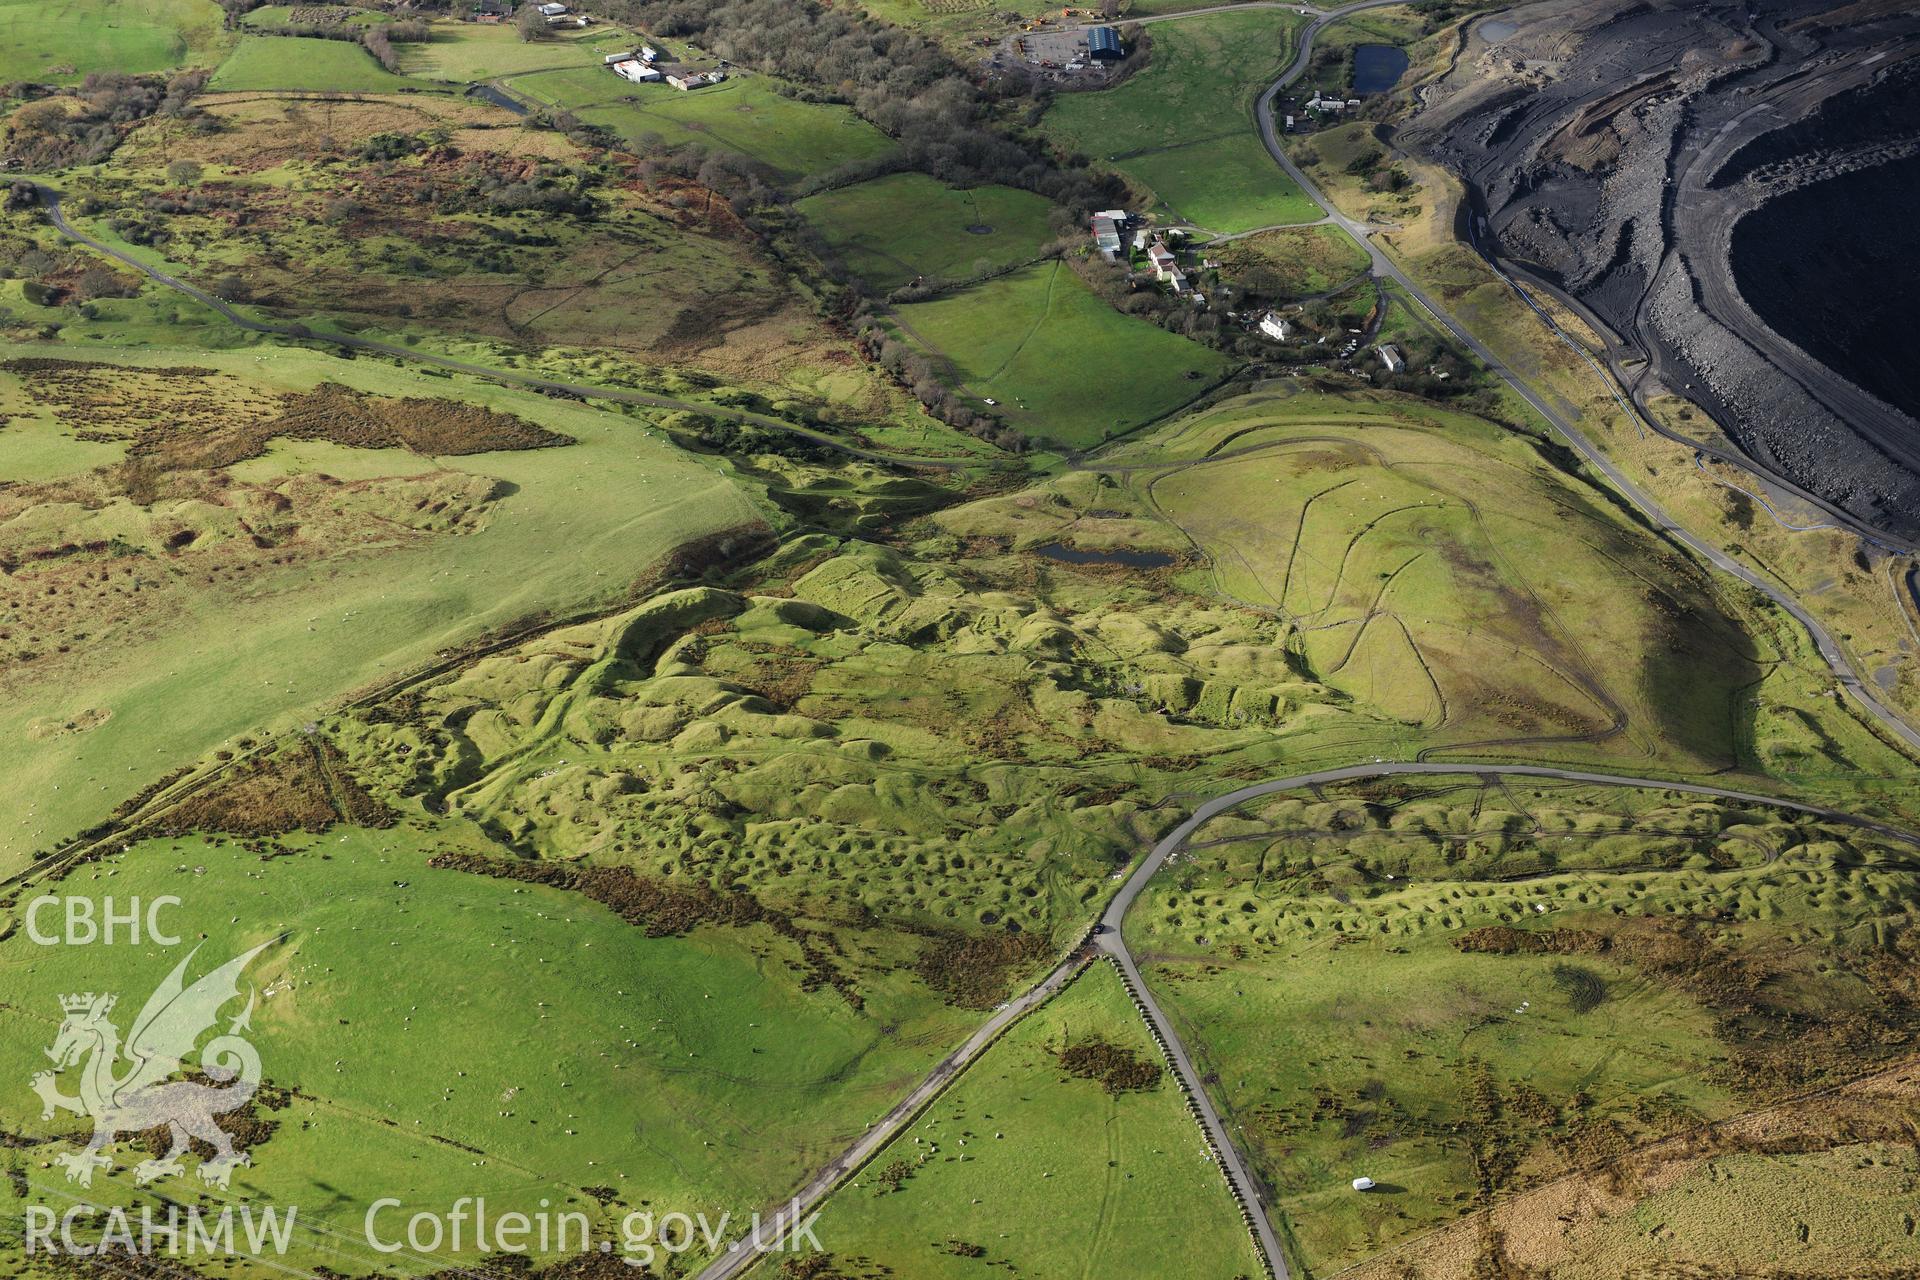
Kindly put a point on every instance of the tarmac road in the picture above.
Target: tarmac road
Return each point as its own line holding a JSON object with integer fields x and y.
{"x": 1385, "y": 266}
{"x": 1110, "y": 938}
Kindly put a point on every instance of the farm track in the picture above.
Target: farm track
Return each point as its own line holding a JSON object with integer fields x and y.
{"x": 1109, "y": 938}
{"x": 1385, "y": 266}
{"x": 50, "y": 201}
{"x": 1109, "y": 935}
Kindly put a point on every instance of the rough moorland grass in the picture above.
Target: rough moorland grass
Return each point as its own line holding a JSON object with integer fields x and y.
{"x": 638, "y": 276}
{"x": 1291, "y": 263}
{"x": 469, "y": 51}
{"x": 743, "y": 114}
{"x": 575, "y": 526}
{"x": 63, "y": 40}
{"x": 895, "y": 229}
{"x": 1048, "y": 1173}
{"x": 303, "y": 63}
{"x": 1352, "y": 1036}
{"x": 1183, "y": 126}
{"x": 450, "y": 1034}
{"x": 1067, "y": 368}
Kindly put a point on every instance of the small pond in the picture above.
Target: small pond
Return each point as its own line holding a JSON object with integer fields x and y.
{"x": 497, "y": 98}
{"x": 1377, "y": 67}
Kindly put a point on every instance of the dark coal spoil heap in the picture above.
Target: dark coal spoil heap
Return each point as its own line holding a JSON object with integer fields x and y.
{"x": 1729, "y": 189}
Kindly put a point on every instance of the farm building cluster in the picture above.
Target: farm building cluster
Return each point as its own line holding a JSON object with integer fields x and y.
{"x": 1313, "y": 330}
{"x": 648, "y": 65}
{"x": 1118, "y": 239}
{"x": 555, "y": 13}
{"x": 1318, "y": 109}
{"x": 1062, "y": 51}
{"x": 559, "y": 15}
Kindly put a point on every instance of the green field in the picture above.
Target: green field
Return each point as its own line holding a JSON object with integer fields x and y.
{"x": 959, "y": 22}
{"x": 1183, "y": 126}
{"x": 1067, "y": 369}
{"x": 1048, "y": 1173}
{"x": 1323, "y": 955}
{"x": 464, "y": 52}
{"x": 149, "y": 692}
{"x": 907, "y": 226}
{"x": 744, "y": 114}
{"x": 451, "y": 1035}
{"x": 279, "y": 15}
{"x": 1374, "y": 528}
{"x": 303, "y": 63}
{"x": 62, "y": 40}
{"x": 1291, "y": 263}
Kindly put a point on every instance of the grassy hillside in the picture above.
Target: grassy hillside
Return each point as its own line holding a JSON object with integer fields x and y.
{"x": 62, "y": 40}
{"x": 474, "y": 1036}
{"x": 1293, "y": 263}
{"x": 1023, "y": 1144}
{"x": 467, "y": 51}
{"x": 1183, "y": 125}
{"x": 1467, "y": 990}
{"x": 744, "y": 114}
{"x": 907, "y": 227}
{"x": 311, "y": 562}
{"x": 304, "y": 63}
{"x": 1067, "y": 369}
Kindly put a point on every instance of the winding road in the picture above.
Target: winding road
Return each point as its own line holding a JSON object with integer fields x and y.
{"x": 1109, "y": 935}
{"x": 1385, "y": 266}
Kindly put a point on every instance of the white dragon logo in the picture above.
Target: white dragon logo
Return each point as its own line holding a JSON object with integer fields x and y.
{"x": 144, "y": 1095}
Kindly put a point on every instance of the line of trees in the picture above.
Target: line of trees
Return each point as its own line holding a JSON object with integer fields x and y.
{"x": 61, "y": 127}
{"x": 946, "y": 125}
{"x": 378, "y": 39}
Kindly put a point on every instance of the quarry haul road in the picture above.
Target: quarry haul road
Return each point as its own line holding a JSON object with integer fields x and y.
{"x": 1830, "y": 653}
{"x": 50, "y": 201}
{"x": 1110, "y": 939}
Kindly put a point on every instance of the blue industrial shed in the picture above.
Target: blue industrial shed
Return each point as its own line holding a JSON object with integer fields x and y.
{"x": 1104, "y": 43}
